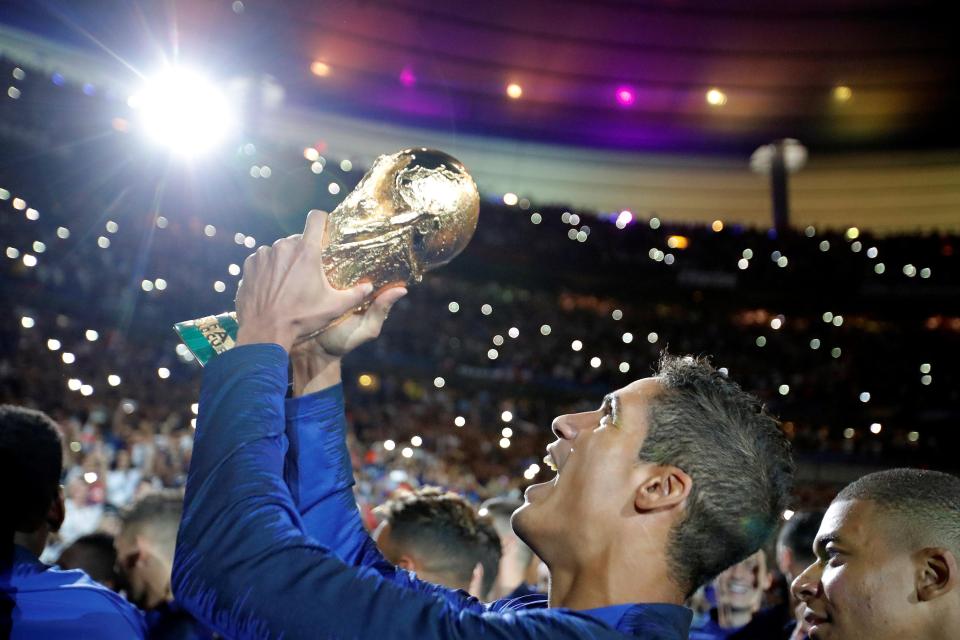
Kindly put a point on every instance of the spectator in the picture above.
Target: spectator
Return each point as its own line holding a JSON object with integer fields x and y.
{"x": 145, "y": 549}
{"x": 739, "y": 595}
{"x": 83, "y": 515}
{"x": 440, "y": 537}
{"x": 45, "y": 602}
{"x": 122, "y": 480}
{"x": 886, "y": 566}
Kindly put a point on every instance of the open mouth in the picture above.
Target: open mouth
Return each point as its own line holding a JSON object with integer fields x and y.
{"x": 813, "y": 619}
{"x": 548, "y": 460}
{"x": 740, "y": 588}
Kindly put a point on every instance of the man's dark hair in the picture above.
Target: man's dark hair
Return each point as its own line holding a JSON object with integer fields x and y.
{"x": 96, "y": 555}
{"x": 798, "y": 534}
{"x": 923, "y": 505}
{"x": 445, "y": 531}
{"x": 739, "y": 460}
{"x": 157, "y": 515}
{"x": 31, "y": 463}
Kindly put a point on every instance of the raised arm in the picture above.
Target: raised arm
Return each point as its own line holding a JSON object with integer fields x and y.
{"x": 318, "y": 470}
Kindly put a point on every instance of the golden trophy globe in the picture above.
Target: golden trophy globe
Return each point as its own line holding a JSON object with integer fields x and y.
{"x": 412, "y": 212}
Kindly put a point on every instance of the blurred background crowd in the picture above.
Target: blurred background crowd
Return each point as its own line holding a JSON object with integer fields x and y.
{"x": 848, "y": 334}
{"x": 845, "y": 335}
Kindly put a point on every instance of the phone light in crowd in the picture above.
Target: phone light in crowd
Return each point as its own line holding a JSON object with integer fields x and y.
{"x": 320, "y": 69}
{"x": 842, "y": 93}
{"x": 416, "y": 441}
{"x": 678, "y": 242}
{"x": 623, "y": 219}
{"x": 113, "y": 380}
{"x": 514, "y": 91}
{"x": 459, "y": 421}
{"x": 184, "y": 111}
{"x": 716, "y": 98}
{"x": 506, "y": 416}
{"x": 163, "y": 373}
{"x": 389, "y": 445}
{"x": 90, "y": 477}
{"x": 787, "y": 514}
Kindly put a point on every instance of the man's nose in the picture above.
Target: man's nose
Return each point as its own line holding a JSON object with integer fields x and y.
{"x": 806, "y": 586}
{"x": 564, "y": 428}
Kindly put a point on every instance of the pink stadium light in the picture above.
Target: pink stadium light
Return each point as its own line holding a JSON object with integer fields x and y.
{"x": 625, "y": 96}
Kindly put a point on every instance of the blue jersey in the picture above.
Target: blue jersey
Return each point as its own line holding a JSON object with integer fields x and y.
{"x": 41, "y": 602}
{"x": 271, "y": 544}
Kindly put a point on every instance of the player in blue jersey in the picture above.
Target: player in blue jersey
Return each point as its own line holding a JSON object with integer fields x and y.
{"x": 38, "y": 601}
{"x": 671, "y": 480}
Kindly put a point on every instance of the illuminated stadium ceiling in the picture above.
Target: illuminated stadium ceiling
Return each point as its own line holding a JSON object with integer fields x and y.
{"x": 675, "y": 75}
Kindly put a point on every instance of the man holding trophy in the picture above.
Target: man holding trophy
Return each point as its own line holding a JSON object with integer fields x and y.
{"x": 672, "y": 479}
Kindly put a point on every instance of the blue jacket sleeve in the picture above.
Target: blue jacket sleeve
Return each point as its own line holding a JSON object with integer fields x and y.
{"x": 319, "y": 474}
{"x": 243, "y": 563}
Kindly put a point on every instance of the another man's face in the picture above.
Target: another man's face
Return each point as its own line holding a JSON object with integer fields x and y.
{"x": 128, "y": 556}
{"x": 862, "y": 582}
{"x": 596, "y": 454}
{"x": 741, "y": 587}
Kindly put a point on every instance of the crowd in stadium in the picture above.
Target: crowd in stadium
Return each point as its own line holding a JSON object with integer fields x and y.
{"x": 845, "y": 337}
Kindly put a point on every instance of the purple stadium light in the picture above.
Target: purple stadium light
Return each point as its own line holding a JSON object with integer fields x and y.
{"x": 625, "y": 96}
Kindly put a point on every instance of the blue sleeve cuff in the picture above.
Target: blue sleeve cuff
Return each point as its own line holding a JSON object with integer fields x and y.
{"x": 314, "y": 405}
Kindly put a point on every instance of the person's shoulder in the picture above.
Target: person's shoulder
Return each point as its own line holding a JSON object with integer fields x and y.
{"x": 538, "y": 621}
{"x": 72, "y": 594}
{"x": 517, "y": 603}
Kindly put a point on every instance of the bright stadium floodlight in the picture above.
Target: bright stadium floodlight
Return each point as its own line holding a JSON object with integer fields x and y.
{"x": 184, "y": 111}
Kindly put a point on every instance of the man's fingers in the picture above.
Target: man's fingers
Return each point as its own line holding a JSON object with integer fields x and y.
{"x": 376, "y": 315}
{"x": 352, "y": 297}
{"x": 383, "y": 302}
{"x": 315, "y": 228}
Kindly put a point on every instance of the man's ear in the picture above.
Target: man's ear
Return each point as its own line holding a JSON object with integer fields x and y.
{"x": 661, "y": 487}
{"x": 476, "y": 583}
{"x": 57, "y": 511}
{"x": 937, "y": 573}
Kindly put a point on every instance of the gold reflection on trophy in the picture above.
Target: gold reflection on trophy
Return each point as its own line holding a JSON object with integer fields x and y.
{"x": 412, "y": 212}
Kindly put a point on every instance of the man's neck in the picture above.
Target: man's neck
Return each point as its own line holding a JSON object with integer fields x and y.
{"x": 34, "y": 541}
{"x": 603, "y": 583}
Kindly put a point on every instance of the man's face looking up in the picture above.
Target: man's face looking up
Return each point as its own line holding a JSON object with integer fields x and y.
{"x": 596, "y": 455}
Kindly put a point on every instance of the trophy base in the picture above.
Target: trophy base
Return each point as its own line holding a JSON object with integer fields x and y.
{"x": 209, "y": 336}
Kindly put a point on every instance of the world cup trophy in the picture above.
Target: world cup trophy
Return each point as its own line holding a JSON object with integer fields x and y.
{"x": 412, "y": 212}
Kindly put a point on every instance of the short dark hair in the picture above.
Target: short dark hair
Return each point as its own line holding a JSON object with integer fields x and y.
{"x": 736, "y": 454}
{"x": 798, "y": 534}
{"x": 96, "y": 555}
{"x": 926, "y": 504}
{"x": 445, "y": 530}
{"x": 157, "y": 515}
{"x": 31, "y": 461}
